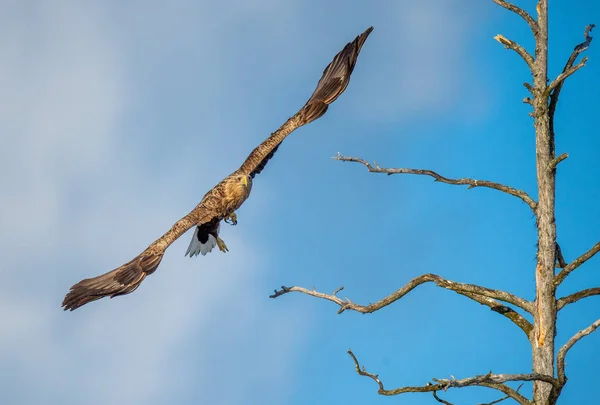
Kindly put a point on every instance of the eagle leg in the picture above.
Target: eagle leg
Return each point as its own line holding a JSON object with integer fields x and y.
{"x": 222, "y": 246}
{"x": 231, "y": 219}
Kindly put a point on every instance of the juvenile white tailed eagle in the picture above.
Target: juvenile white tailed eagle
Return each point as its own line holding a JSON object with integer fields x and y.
{"x": 225, "y": 198}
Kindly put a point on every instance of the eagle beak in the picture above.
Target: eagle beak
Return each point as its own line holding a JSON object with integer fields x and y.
{"x": 245, "y": 181}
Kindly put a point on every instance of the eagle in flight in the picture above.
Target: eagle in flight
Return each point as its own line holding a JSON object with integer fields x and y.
{"x": 221, "y": 202}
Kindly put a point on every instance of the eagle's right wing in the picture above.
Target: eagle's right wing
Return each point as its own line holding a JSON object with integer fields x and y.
{"x": 120, "y": 281}
{"x": 128, "y": 277}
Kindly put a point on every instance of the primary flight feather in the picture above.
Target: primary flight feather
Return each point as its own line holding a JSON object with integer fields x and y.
{"x": 221, "y": 202}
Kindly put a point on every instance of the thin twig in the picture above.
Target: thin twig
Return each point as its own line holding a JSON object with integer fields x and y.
{"x": 338, "y": 290}
{"x": 517, "y": 10}
{"x": 495, "y": 381}
{"x": 570, "y": 299}
{"x": 503, "y": 398}
{"x": 362, "y": 371}
{"x": 560, "y": 277}
{"x": 509, "y": 44}
{"x": 482, "y": 295}
{"x": 472, "y": 183}
{"x": 443, "y": 401}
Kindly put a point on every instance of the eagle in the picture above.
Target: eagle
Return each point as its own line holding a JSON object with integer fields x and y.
{"x": 221, "y": 202}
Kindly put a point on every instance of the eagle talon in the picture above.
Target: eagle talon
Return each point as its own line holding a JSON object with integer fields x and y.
{"x": 231, "y": 219}
{"x": 222, "y": 246}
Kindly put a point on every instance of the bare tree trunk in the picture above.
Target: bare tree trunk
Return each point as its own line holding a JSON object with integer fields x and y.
{"x": 545, "y": 317}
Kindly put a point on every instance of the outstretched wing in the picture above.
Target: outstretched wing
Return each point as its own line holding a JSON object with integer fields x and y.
{"x": 332, "y": 84}
{"x": 336, "y": 75}
{"x": 128, "y": 277}
{"x": 123, "y": 280}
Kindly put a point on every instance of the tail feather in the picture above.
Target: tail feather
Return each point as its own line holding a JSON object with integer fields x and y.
{"x": 202, "y": 242}
{"x": 120, "y": 281}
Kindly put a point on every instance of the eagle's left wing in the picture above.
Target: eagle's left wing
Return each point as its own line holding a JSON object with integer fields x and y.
{"x": 336, "y": 75}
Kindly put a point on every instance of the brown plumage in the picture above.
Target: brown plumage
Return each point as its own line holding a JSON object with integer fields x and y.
{"x": 221, "y": 202}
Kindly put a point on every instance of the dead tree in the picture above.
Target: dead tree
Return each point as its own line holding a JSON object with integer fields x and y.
{"x": 548, "y": 377}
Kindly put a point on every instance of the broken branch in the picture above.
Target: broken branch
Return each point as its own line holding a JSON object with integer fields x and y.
{"x": 575, "y": 264}
{"x": 554, "y": 162}
{"x": 508, "y": 44}
{"x": 560, "y": 259}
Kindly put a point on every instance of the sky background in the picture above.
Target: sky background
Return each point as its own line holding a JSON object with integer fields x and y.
{"x": 116, "y": 119}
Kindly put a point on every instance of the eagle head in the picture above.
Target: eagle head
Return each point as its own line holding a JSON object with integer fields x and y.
{"x": 239, "y": 187}
{"x": 245, "y": 181}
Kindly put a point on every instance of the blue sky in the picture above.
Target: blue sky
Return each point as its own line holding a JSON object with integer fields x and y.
{"x": 116, "y": 119}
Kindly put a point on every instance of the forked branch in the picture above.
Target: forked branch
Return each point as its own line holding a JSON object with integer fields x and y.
{"x": 482, "y": 295}
{"x": 564, "y": 74}
{"x": 560, "y": 277}
{"x": 570, "y": 66}
{"x": 495, "y": 381}
{"x": 522, "y": 13}
{"x": 472, "y": 183}
{"x": 554, "y": 88}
